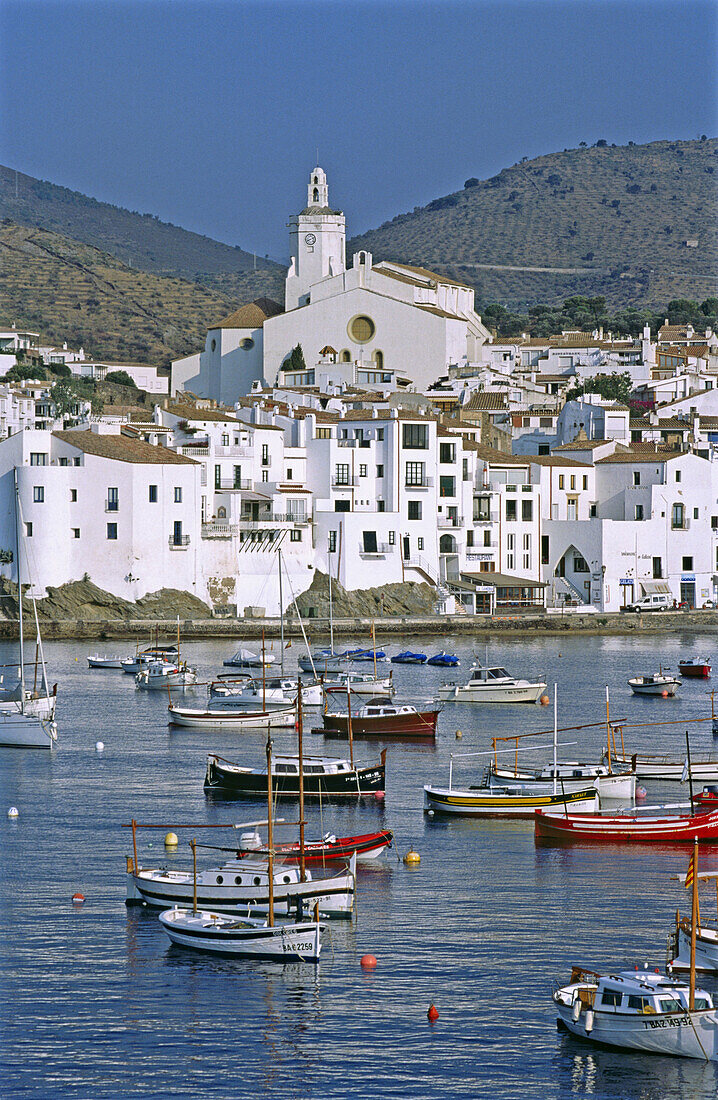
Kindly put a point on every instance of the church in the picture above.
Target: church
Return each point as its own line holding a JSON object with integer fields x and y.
{"x": 384, "y": 319}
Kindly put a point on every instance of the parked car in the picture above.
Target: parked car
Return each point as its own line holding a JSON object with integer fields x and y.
{"x": 656, "y": 602}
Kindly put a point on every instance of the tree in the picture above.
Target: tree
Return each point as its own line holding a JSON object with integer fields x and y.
{"x": 21, "y": 372}
{"x": 61, "y": 370}
{"x": 296, "y": 359}
{"x": 121, "y": 378}
{"x": 65, "y": 397}
{"x": 614, "y": 387}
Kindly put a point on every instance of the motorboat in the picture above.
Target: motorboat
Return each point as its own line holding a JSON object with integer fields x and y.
{"x": 161, "y": 675}
{"x": 382, "y": 718}
{"x": 275, "y": 692}
{"x": 670, "y": 769}
{"x": 245, "y": 658}
{"x": 679, "y": 946}
{"x": 444, "y": 660}
{"x": 488, "y": 801}
{"x": 707, "y": 799}
{"x": 654, "y": 683}
{"x": 360, "y": 683}
{"x": 492, "y": 685}
{"x": 234, "y": 718}
{"x": 639, "y": 1010}
{"x": 323, "y": 662}
{"x": 376, "y": 655}
{"x": 244, "y": 936}
{"x": 693, "y": 669}
{"x": 571, "y": 776}
{"x": 409, "y": 658}
{"x": 634, "y": 827}
{"x": 329, "y": 848}
{"x": 239, "y": 883}
{"x": 143, "y": 657}
{"x": 97, "y": 661}
{"x": 323, "y": 777}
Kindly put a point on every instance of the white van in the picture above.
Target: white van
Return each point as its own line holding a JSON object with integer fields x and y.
{"x": 657, "y": 602}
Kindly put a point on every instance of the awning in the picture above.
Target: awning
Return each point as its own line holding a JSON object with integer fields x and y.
{"x": 656, "y": 588}
{"x": 503, "y": 580}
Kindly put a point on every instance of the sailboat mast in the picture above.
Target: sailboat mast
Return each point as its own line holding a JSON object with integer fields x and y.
{"x": 281, "y": 613}
{"x": 300, "y": 750}
{"x": 331, "y": 609}
{"x": 19, "y": 585}
{"x": 270, "y": 832}
{"x": 694, "y": 922}
{"x": 555, "y": 735}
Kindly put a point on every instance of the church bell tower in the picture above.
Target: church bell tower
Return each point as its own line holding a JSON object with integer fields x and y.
{"x": 317, "y": 243}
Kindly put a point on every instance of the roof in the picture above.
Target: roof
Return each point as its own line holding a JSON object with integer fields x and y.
{"x": 191, "y": 412}
{"x": 504, "y": 580}
{"x": 582, "y": 445}
{"x": 422, "y": 274}
{"x": 486, "y": 402}
{"x": 121, "y": 448}
{"x": 252, "y": 315}
{"x": 639, "y": 456}
{"x": 554, "y": 460}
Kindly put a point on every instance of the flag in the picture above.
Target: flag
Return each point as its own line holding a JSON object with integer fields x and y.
{"x": 289, "y": 644}
{"x": 690, "y": 873}
{"x": 684, "y": 776}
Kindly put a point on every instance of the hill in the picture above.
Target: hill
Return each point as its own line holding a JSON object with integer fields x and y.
{"x": 609, "y": 220}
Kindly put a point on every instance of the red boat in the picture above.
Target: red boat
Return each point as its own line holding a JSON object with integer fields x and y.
{"x": 381, "y": 718}
{"x": 633, "y": 827}
{"x": 695, "y": 670}
{"x": 365, "y": 846}
{"x": 708, "y": 798}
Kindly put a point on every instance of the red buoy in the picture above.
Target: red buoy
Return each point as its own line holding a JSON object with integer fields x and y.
{"x": 77, "y": 899}
{"x": 379, "y": 795}
{"x": 433, "y": 1013}
{"x": 368, "y": 962}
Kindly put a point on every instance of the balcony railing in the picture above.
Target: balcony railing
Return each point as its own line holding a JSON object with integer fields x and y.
{"x": 233, "y": 451}
{"x": 341, "y": 482}
{"x": 382, "y": 549}
{"x": 250, "y": 523}
{"x": 179, "y": 542}
{"x": 192, "y": 452}
{"x": 483, "y": 517}
{"x": 233, "y": 483}
{"x": 419, "y": 483}
{"x": 450, "y": 521}
{"x": 219, "y": 530}
{"x": 112, "y": 505}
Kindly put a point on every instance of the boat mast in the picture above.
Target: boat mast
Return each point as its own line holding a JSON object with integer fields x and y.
{"x": 608, "y": 733}
{"x": 373, "y": 642}
{"x": 264, "y": 676}
{"x": 694, "y": 921}
{"x": 19, "y": 588}
{"x": 349, "y": 723}
{"x": 270, "y": 832}
{"x": 300, "y": 750}
{"x": 555, "y": 735}
{"x": 331, "y": 609}
{"x": 281, "y": 612}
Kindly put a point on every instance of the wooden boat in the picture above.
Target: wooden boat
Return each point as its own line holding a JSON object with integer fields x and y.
{"x": 225, "y": 717}
{"x": 246, "y": 658}
{"x": 409, "y": 658}
{"x": 245, "y": 936}
{"x": 97, "y": 661}
{"x": 504, "y": 802}
{"x": 330, "y": 848}
{"x": 381, "y": 718}
{"x": 159, "y": 675}
{"x": 323, "y": 777}
{"x": 654, "y": 684}
{"x": 694, "y": 669}
{"x": 635, "y": 827}
{"x": 323, "y": 662}
{"x": 444, "y": 660}
{"x": 571, "y": 776}
{"x": 703, "y": 769}
{"x": 707, "y": 799}
{"x": 679, "y": 946}
{"x": 640, "y": 1010}
{"x": 360, "y": 683}
{"x": 492, "y": 685}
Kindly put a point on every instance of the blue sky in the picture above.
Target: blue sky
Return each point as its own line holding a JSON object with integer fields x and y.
{"x": 209, "y": 114}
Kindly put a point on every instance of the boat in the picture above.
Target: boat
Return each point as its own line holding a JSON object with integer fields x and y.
{"x": 409, "y": 658}
{"x": 635, "y": 827}
{"x": 492, "y": 685}
{"x": 97, "y": 661}
{"x": 381, "y": 718}
{"x": 245, "y": 658}
{"x": 655, "y": 683}
{"x": 329, "y": 848}
{"x": 639, "y": 1010}
{"x": 361, "y": 683}
{"x": 374, "y": 655}
{"x": 27, "y": 715}
{"x": 707, "y": 798}
{"x": 323, "y": 661}
{"x": 141, "y": 659}
{"x": 572, "y": 776}
{"x": 235, "y": 718}
{"x": 323, "y": 777}
{"x": 277, "y": 692}
{"x": 671, "y": 769}
{"x": 444, "y": 660}
{"x": 161, "y": 675}
{"x": 694, "y": 669}
{"x": 243, "y": 936}
{"x": 486, "y": 801}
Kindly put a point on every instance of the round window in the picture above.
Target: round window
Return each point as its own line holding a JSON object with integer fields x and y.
{"x": 287, "y": 878}
{"x": 257, "y": 880}
{"x": 361, "y": 329}
{"x": 220, "y": 880}
{"x": 238, "y": 880}
{"x": 247, "y": 344}
{"x": 213, "y": 345}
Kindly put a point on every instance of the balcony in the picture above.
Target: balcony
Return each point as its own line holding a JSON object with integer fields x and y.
{"x": 416, "y": 483}
{"x": 341, "y": 482}
{"x": 486, "y": 517}
{"x": 272, "y": 519}
{"x": 450, "y": 521}
{"x": 219, "y": 529}
{"x": 193, "y": 452}
{"x": 233, "y": 484}
{"x": 233, "y": 451}
{"x": 112, "y": 505}
{"x": 180, "y": 542}
{"x": 382, "y": 549}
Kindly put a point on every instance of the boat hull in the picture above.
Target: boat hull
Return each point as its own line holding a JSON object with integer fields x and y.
{"x": 523, "y": 693}
{"x": 224, "y": 718}
{"x": 205, "y": 931}
{"x": 419, "y": 724}
{"x": 695, "y": 672}
{"x": 483, "y": 802}
{"x": 668, "y": 769}
{"x": 368, "y": 846}
{"x": 621, "y": 828}
{"x": 686, "y": 1035}
{"x": 618, "y": 787}
{"x": 706, "y": 948}
{"x": 334, "y": 896}
{"x": 663, "y": 688}
{"x": 105, "y": 662}
{"x": 19, "y": 731}
{"x": 232, "y": 781}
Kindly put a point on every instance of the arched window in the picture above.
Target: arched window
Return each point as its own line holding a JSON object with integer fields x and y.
{"x": 346, "y": 356}
{"x": 378, "y": 358}
{"x": 447, "y": 544}
{"x": 362, "y": 257}
{"x": 221, "y": 513}
{"x": 316, "y": 194}
{"x": 316, "y": 179}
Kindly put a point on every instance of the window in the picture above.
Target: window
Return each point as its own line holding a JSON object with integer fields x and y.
{"x": 218, "y": 477}
{"x": 414, "y": 509}
{"x": 714, "y": 523}
{"x": 687, "y": 563}
{"x": 290, "y": 474}
{"x": 28, "y": 530}
{"x": 527, "y": 561}
{"x": 657, "y": 567}
{"x": 510, "y": 510}
{"x": 75, "y": 532}
{"x": 324, "y": 433}
{"x": 527, "y": 543}
{"x": 341, "y": 474}
{"x": 380, "y": 505}
{"x": 638, "y": 511}
{"x": 38, "y": 494}
{"x": 392, "y": 538}
{"x": 527, "y": 510}
{"x": 265, "y": 454}
{"x": 295, "y": 536}
{"x": 525, "y": 421}
{"x": 641, "y": 1003}
{"x": 678, "y": 475}
{"x": 593, "y": 511}
{"x": 77, "y": 461}
{"x": 38, "y": 458}
{"x": 560, "y": 481}
{"x": 611, "y": 997}
{"x": 362, "y": 470}
{"x": 580, "y": 565}
{"x": 380, "y": 470}
{"x": 112, "y": 531}
{"x": 64, "y": 462}
{"x": 544, "y": 449}
{"x": 677, "y": 513}
{"x": 361, "y": 329}
{"x": 510, "y": 542}
{"x": 73, "y": 496}
{"x": 225, "y": 439}
{"x": 369, "y": 542}
{"x": 342, "y": 506}
{"x": 152, "y": 489}
{"x": 585, "y": 481}
{"x": 509, "y": 561}
{"x": 447, "y": 486}
{"x": 415, "y": 473}
{"x": 332, "y": 542}
{"x": 113, "y": 500}
{"x": 380, "y": 434}
{"x": 696, "y": 513}
{"x": 415, "y": 437}
{"x": 571, "y": 509}
{"x": 177, "y": 537}
{"x": 482, "y": 508}
{"x": 420, "y": 544}
{"x": 178, "y": 494}
{"x": 636, "y": 477}
{"x": 265, "y": 475}
{"x": 447, "y": 452}
{"x": 469, "y": 537}
{"x": 545, "y": 554}
{"x": 573, "y": 481}
{"x": 487, "y": 537}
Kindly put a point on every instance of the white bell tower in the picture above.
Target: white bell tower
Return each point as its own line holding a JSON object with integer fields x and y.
{"x": 317, "y": 242}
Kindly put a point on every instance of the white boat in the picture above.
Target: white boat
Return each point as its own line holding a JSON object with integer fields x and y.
{"x": 670, "y": 769}
{"x": 245, "y": 658}
{"x": 492, "y": 685}
{"x": 97, "y": 661}
{"x": 141, "y": 659}
{"x": 243, "y": 936}
{"x": 506, "y": 801}
{"x": 235, "y": 718}
{"x": 639, "y": 1010}
{"x": 323, "y": 662}
{"x": 655, "y": 683}
{"x": 275, "y": 692}
{"x": 360, "y": 683}
{"x": 22, "y": 731}
{"x": 161, "y": 675}
{"x": 571, "y": 776}
{"x": 679, "y": 946}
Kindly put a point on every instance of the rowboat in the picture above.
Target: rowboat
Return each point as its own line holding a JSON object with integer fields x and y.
{"x": 323, "y": 777}
{"x": 225, "y": 717}
{"x": 504, "y": 802}
{"x": 703, "y": 769}
{"x": 639, "y": 1010}
{"x": 381, "y": 718}
{"x": 492, "y": 685}
{"x": 97, "y": 661}
{"x": 694, "y": 669}
{"x": 330, "y": 848}
{"x": 636, "y": 827}
{"x": 244, "y": 936}
{"x": 654, "y": 684}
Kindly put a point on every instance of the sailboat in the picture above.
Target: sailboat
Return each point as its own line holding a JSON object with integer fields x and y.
{"x": 27, "y": 715}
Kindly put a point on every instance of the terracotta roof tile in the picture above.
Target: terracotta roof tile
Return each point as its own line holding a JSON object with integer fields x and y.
{"x": 121, "y": 448}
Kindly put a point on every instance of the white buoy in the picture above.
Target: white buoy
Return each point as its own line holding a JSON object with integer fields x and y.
{"x": 13, "y": 812}
{"x": 99, "y": 745}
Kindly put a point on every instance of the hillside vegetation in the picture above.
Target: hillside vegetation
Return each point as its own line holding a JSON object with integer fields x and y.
{"x": 603, "y": 220}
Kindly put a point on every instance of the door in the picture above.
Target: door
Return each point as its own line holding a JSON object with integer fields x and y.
{"x": 405, "y": 547}
{"x": 688, "y": 593}
{"x": 177, "y": 532}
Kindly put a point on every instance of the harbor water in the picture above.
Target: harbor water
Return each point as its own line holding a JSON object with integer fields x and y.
{"x": 95, "y": 1003}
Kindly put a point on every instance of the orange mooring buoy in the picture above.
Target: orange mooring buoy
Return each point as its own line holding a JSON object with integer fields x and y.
{"x": 368, "y": 962}
{"x": 77, "y": 899}
{"x": 433, "y": 1013}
